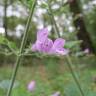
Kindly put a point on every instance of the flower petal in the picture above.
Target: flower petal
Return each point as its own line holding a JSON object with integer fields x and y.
{"x": 31, "y": 86}
{"x": 59, "y": 43}
{"x": 44, "y": 46}
{"x": 42, "y": 34}
{"x": 56, "y": 94}
{"x": 59, "y": 51}
{"x": 86, "y": 51}
{"x": 62, "y": 51}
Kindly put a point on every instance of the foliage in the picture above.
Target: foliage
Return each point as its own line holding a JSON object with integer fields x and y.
{"x": 5, "y": 84}
{"x": 57, "y": 79}
{"x": 49, "y": 81}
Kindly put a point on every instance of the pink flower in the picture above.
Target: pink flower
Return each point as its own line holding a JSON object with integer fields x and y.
{"x": 46, "y": 45}
{"x": 42, "y": 34}
{"x": 43, "y": 43}
{"x": 57, "y": 47}
{"x": 31, "y": 86}
{"x": 86, "y": 51}
{"x": 56, "y": 94}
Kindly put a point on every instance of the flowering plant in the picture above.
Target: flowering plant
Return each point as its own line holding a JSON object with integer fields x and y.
{"x": 46, "y": 45}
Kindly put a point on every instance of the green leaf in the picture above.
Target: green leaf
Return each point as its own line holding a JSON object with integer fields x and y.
{"x": 7, "y": 44}
{"x": 12, "y": 45}
{"x": 6, "y": 83}
{"x": 80, "y": 53}
{"x": 44, "y": 5}
{"x": 2, "y": 39}
{"x": 72, "y": 44}
{"x": 72, "y": 90}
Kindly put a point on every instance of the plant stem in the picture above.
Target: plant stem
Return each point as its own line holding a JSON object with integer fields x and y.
{"x": 5, "y": 18}
{"x": 21, "y": 48}
{"x": 67, "y": 57}
{"x": 53, "y": 20}
{"x": 73, "y": 74}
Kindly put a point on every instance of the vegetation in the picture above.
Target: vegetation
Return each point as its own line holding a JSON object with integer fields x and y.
{"x": 58, "y": 63}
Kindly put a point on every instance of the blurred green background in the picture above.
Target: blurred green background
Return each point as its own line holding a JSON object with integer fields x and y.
{"x": 76, "y": 20}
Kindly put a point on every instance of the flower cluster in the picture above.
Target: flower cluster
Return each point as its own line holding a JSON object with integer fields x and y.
{"x": 46, "y": 45}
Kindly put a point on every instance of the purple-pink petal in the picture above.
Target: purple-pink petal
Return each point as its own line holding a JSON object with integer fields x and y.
{"x": 59, "y": 51}
{"x": 42, "y": 34}
{"x": 56, "y": 94}
{"x": 62, "y": 51}
{"x": 57, "y": 47}
{"x": 44, "y": 46}
{"x": 31, "y": 86}
{"x": 86, "y": 51}
{"x": 59, "y": 42}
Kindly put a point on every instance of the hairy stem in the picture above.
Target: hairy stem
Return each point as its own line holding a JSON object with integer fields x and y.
{"x": 21, "y": 49}
{"x": 67, "y": 57}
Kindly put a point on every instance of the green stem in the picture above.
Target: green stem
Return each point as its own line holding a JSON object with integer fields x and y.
{"x": 12, "y": 50}
{"x": 73, "y": 74}
{"x": 68, "y": 58}
{"x": 5, "y": 17}
{"x": 21, "y": 49}
{"x": 53, "y": 20}
{"x": 23, "y": 3}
